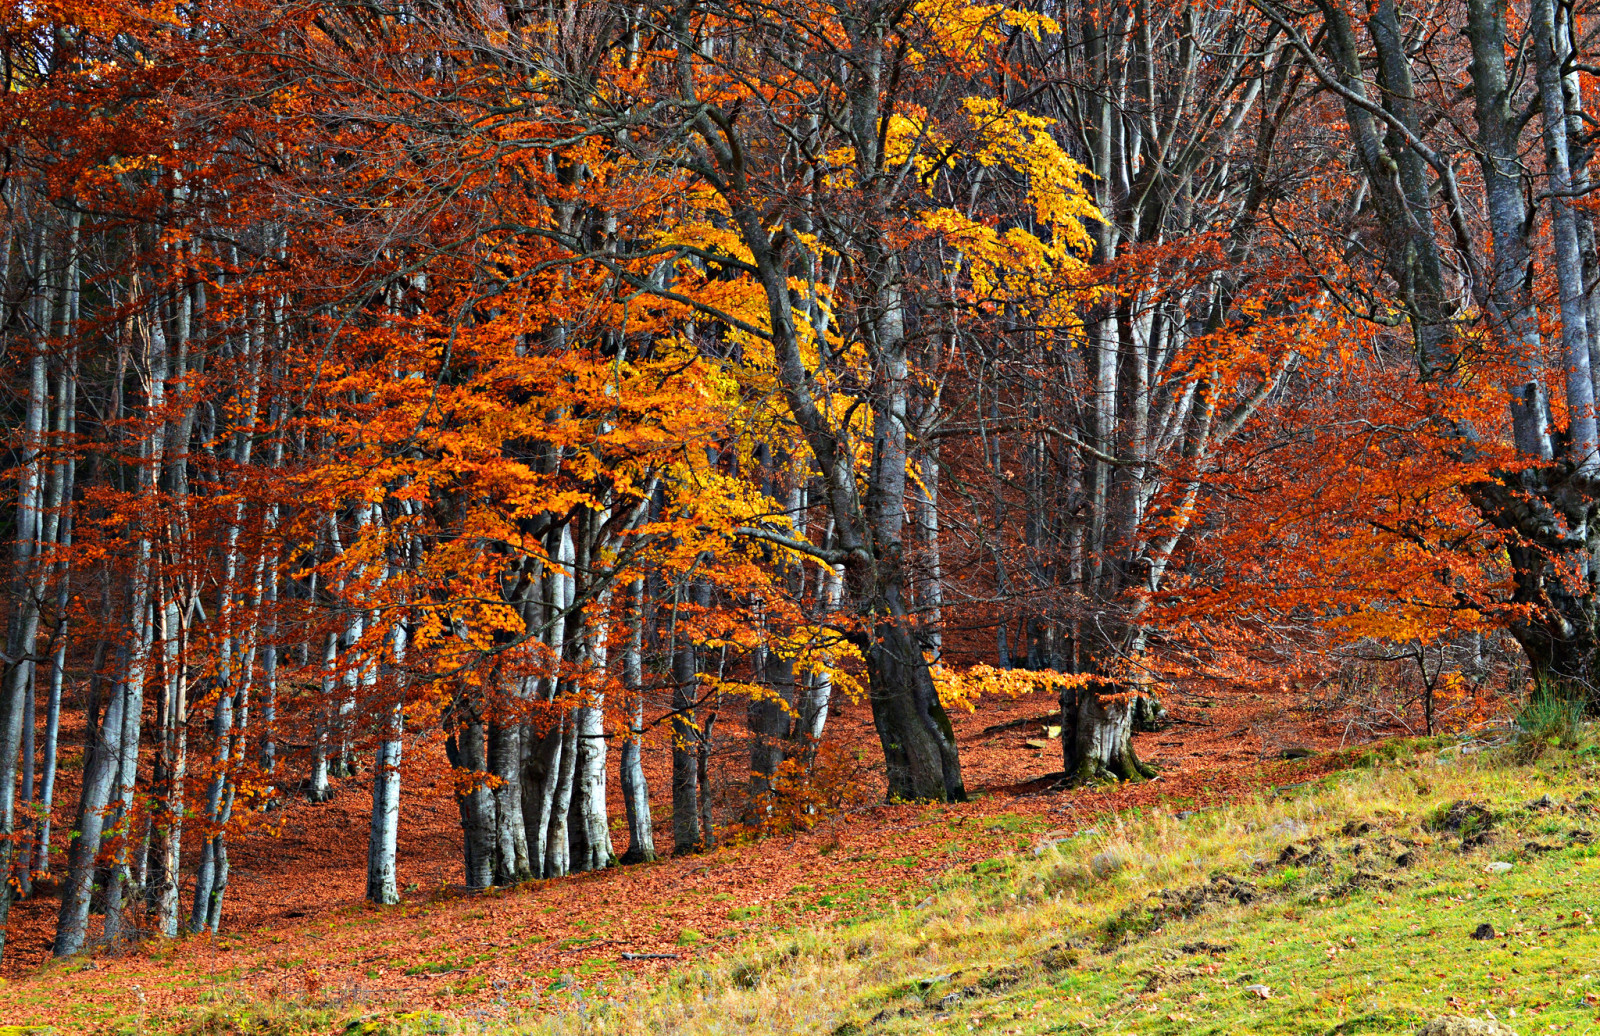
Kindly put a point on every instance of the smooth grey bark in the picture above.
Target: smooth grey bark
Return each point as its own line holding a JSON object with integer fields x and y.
{"x": 1584, "y": 432}
{"x": 466, "y": 749}
{"x": 235, "y": 674}
{"x": 541, "y": 741}
{"x": 27, "y": 590}
{"x": 383, "y": 834}
{"x": 549, "y": 743}
{"x": 685, "y": 733}
{"x": 557, "y": 846}
{"x": 66, "y": 428}
{"x": 171, "y": 770}
{"x": 1097, "y": 735}
{"x": 511, "y": 833}
{"x": 145, "y": 601}
{"x": 589, "y": 830}
{"x": 635, "y": 788}
{"x": 319, "y": 789}
{"x": 1510, "y": 294}
{"x": 175, "y": 610}
{"x": 588, "y": 826}
{"x": 383, "y": 883}
{"x": 768, "y": 719}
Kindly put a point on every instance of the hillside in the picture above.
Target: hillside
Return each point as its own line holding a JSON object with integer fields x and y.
{"x": 1369, "y": 901}
{"x": 1350, "y": 897}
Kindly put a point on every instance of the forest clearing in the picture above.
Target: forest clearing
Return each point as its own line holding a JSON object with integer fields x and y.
{"x": 509, "y": 507}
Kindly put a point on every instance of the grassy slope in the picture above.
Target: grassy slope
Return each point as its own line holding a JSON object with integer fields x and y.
{"x": 1129, "y": 928}
{"x": 1348, "y": 942}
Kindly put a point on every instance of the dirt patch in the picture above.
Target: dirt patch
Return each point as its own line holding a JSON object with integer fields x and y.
{"x": 1300, "y": 854}
{"x": 1465, "y": 816}
{"x": 1175, "y": 905}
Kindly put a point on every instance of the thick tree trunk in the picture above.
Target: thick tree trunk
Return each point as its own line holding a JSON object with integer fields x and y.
{"x": 919, "y": 745}
{"x": 465, "y": 746}
{"x": 143, "y": 638}
{"x": 588, "y": 829}
{"x": 541, "y": 772}
{"x": 557, "y": 840}
{"x": 170, "y": 775}
{"x": 27, "y": 590}
{"x": 1097, "y": 735}
{"x": 1584, "y": 448}
{"x": 511, "y": 834}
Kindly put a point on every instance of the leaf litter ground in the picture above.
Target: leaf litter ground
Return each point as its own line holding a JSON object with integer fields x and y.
{"x": 295, "y": 922}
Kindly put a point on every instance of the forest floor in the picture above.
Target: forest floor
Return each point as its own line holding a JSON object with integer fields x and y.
{"x": 296, "y": 931}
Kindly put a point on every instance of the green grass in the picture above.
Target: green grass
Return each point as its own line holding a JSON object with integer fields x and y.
{"x": 1352, "y": 901}
{"x": 1360, "y": 932}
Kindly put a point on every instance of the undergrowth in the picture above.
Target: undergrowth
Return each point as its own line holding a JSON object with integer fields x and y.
{"x": 1551, "y": 718}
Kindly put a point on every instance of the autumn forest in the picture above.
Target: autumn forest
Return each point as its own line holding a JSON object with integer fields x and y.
{"x": 584, "y": 408}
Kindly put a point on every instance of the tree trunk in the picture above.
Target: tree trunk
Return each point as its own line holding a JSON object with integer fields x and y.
{"x": 685, "y": 739}
{"x": 511, "y": 863}
{"x": 465, "y": 747}
{"x": 1097, "y": 735}
{"x": 557, "y": 842}
{"x": 383, "y": 886}
{"x": 588, "y": 829}
{"x": 919, "y": 745}
{"x": 170, "y": 774}
{"x": 635, "y": 789}
{"x": 768, "y": 720}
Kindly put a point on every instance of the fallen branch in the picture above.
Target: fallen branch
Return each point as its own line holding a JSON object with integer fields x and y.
{"x": 650, "y": 956}
{"x": 1015, "y": 723}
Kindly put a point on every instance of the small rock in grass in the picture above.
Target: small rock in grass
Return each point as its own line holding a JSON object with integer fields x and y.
{"x": 1484, "y": 932}
{"x": 1542, "y": 803}
{"x": 1456, "y": 1025}
{"x": 1264, "y": 992}
{"x": 1497, "y": 867}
